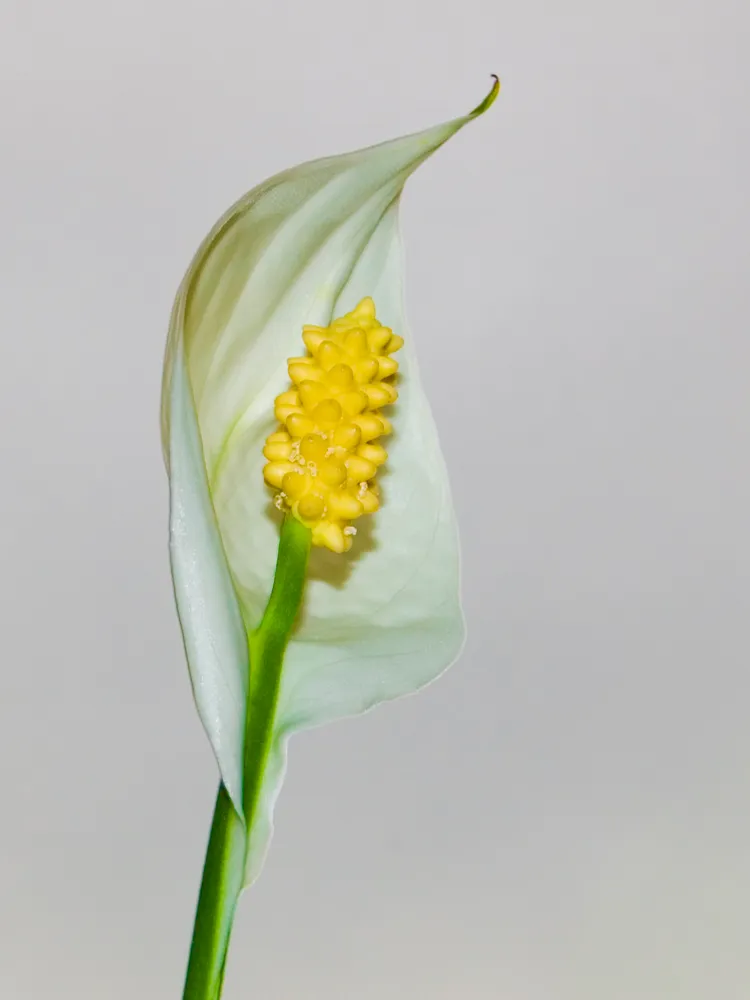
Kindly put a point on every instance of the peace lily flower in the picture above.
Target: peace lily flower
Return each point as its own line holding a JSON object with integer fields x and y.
{"x": 279, "y": 367}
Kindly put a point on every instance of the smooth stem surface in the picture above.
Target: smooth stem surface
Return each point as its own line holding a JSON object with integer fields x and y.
{"x": 223, "y": 874}
{"x": 226, "y": 855}
{"x": 267, "y": 646}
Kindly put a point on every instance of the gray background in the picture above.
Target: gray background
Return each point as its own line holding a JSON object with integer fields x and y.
{"x": 565, "y": 815}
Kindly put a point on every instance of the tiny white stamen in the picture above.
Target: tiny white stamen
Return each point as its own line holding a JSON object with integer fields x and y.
{"x": 350, "y": 530}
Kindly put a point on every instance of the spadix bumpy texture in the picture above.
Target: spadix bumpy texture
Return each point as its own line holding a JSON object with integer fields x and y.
{"x": 326, "y": 454}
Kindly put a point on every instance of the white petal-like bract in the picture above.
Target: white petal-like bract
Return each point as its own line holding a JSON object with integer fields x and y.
{"x": 382, "y": 620}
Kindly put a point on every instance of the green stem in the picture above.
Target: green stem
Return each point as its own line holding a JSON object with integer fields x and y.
{"x": 223, "y": 874}
{"x": 267, "y": 647}
{"x": 229, "y": 841}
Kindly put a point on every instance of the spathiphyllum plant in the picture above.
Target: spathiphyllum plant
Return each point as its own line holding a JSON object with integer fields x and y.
{"x": 313, "y": 543}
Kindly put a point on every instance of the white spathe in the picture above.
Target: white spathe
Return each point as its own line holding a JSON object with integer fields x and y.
{"x": 380, "y": 621}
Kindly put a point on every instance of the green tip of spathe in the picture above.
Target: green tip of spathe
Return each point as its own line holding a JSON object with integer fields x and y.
{"x": 489, "y": 99}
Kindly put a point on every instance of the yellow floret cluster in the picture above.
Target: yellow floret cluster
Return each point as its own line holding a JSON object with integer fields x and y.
{"x": 324, "y": 456}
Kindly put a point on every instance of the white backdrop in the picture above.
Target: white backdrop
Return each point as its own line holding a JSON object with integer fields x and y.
{"x": 566, "y": 815}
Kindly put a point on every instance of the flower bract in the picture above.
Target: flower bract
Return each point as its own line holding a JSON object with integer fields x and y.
{"x": 299, "y": 251}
